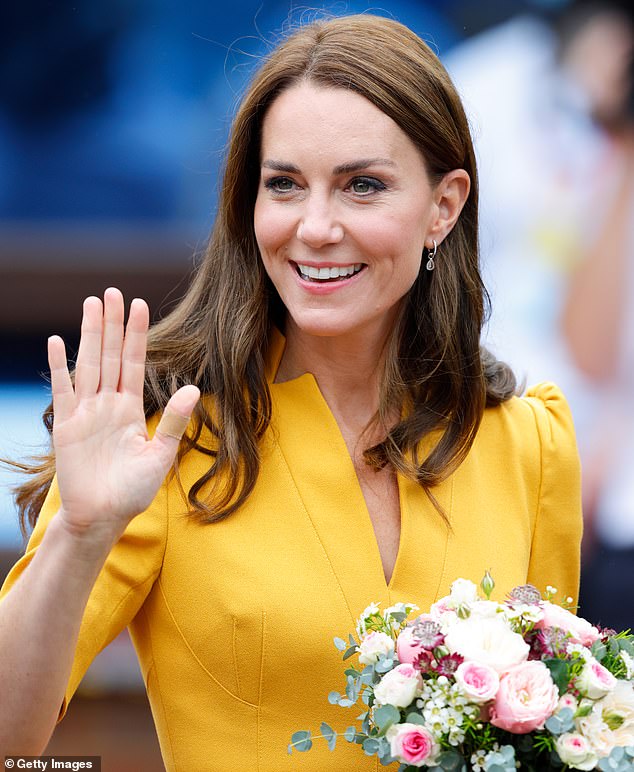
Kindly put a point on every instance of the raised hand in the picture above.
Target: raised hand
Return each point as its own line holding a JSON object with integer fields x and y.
{"x": 108, "y": 469}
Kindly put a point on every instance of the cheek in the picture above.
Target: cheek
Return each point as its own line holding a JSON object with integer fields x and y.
{"x": 272, "y": 226}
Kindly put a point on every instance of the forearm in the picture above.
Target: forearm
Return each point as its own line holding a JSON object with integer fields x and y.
{"x": 39, "y": 624}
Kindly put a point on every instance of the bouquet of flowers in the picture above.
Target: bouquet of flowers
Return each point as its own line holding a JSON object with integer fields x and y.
{"x": 479, "y": 685}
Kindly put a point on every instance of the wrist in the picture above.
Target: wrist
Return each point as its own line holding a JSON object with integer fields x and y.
{"x": 91, "y": 542}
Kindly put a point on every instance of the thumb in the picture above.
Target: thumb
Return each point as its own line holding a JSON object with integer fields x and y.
{"x": 177, "y": 413}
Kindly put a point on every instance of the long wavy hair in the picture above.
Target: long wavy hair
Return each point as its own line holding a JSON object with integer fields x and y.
{"x": 218, "y": 335}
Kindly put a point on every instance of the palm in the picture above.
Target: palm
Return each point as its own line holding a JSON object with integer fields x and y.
{"x": 108, "y": 469}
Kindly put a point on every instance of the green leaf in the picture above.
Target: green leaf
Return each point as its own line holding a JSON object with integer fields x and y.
{"x": 340, "y": 643}
{"x": 350, "y": 733}
{"x": 301, "y": 741}
{"x": 415, "y": 718}
{"x": 598, "y": 650}
{"x": 560, "y": 673}
{"x": 385, "y": 716}
{"x": 333, "y": 698}
{"x": 352, "y": 640}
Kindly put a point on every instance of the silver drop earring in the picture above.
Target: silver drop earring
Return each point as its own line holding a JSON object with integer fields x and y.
{"x": 431, "y": 255}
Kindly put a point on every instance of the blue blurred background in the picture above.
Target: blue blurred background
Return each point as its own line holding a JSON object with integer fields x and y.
{"x": 113, "y": 123}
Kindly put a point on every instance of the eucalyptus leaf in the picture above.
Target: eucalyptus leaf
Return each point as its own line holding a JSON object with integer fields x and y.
{"x": 301, "y": 741}
{"x": 333, "y": 698}
{"x": 349, "y": 652}
{"x": 385, "y": 716}
{"x": 350, "y": 733}
{"x": 384, "y": 665}
{"x": 340, "y": 643}
{"x": 371, "y": 746}
{"x": 415, "y": 718}
{"x": 329, "y": 734}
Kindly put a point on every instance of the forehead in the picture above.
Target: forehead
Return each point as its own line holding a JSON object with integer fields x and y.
{"x": 331, "y": 122}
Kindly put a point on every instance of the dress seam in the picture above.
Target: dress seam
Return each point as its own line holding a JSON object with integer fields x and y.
{"x": 195, "y": 657}
{"x": 316, "y": 532}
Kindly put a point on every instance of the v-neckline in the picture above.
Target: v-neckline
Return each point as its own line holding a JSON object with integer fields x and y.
{"x": 323, "y": 472}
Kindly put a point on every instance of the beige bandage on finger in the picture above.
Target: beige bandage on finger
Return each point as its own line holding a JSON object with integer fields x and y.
{"x": 172, "y": 424}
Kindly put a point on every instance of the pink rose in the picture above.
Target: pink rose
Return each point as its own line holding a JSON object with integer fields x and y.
{"x": 399, "y": 687}
{"x": 408, "y": 647}
{"x": 526, "y": 698}
{"x": 595, "y": 681}
{"x": 580, "y": 630}
{"x": 478, "y": 682}
{"x": 412, "y": 744}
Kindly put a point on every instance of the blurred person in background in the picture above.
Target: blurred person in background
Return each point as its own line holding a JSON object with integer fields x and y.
{"x": 549, "y": 95}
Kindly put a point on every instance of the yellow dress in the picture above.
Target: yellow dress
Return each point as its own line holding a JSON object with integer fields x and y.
{"x": 234, "y": 622}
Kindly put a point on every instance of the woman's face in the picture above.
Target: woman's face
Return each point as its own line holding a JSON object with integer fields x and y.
{"x": 343, "y": 210}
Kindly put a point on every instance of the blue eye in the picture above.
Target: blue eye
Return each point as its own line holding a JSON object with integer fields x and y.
{"x": 365, "y": 185}
{"x": 280, "y": 184}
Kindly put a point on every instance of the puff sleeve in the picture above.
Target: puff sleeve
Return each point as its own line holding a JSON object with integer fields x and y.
{"x": 121, "y": 587}
{"x": 556, "y": 541}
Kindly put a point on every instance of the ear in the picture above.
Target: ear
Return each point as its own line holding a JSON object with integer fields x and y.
{"x": 449, "y": 195}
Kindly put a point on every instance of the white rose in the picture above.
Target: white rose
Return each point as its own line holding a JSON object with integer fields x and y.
{"x": 486, "y": 609}
{"x": 373, "y": 645}
{"x": 463, "y": 593}
{"x": 597, "y": 733}
{"x": 576, "y": 751}
{"x": 399, "y": 687}
{"x": 595, "y": 681}
{"x": 618, "y": 708}
{"x": 489, "y": 641}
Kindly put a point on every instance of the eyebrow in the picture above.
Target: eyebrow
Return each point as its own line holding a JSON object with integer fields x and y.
{"x": 348, "y": 168}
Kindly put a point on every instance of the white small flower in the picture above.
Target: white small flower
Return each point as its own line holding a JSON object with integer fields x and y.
{"x": 629, "y": 664}
{"x": 371, "y": 610}
{"x": 583, "y": 652}
{"x": 478, "y": 760}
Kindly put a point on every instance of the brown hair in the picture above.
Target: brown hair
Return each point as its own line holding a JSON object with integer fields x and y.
{"x": 217, "y": 336}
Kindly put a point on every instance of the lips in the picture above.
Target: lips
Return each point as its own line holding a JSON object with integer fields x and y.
{"x": 324, "y": 274}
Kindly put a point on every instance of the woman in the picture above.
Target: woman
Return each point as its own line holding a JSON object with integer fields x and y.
{"x": 351, "y": 444}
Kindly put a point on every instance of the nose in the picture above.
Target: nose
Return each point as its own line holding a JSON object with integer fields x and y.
{"x": 318, "y": 226}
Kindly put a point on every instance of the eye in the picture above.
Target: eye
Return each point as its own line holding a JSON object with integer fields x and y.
{"x": 279, "y": 184}
{"x": 364, "y": 186}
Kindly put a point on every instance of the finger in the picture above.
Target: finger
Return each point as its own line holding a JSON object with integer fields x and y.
{"x": 134, "y": 347}
{"x": 61, "y": 384}
{"x": 176, "y": 416}
{"x": 112, "y": 339}
{"x": 88, "y": 367}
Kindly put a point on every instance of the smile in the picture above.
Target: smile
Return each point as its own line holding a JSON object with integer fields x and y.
{"x": 328, "y": 274}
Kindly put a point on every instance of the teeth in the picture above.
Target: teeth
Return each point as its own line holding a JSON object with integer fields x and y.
{"x": 335, "y": 272}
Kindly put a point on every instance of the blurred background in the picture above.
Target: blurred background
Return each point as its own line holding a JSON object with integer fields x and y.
{"x": 113, "y": 123}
